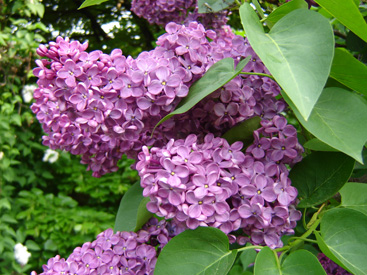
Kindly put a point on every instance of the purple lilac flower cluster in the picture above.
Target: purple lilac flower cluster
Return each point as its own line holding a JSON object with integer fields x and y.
{"x": 215, "y": 184}
{"x": 330, "y": 267}
{"x": 120, "y": 253}
{"x": 161, "y": 12}
{"x": 101, "y": 106}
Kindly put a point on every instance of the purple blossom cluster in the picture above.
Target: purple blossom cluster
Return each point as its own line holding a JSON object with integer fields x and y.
{"x": 216, "y": 184}
{"x": 122, "y": 253}
{"x": 161, "y": 12}
{"x": 330, "y": 267}
{"x": 101, "y": 106}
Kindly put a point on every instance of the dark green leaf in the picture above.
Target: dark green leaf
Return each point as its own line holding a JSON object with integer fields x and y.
{"x": 247, "y": 257}
{"x": 131, "y": 213}
{"x": 344, "y": 232}
{"x": 204, "y": 250}
{"x": 88, "y": 3}
{"x": 243, "y": 131}
{"x": 348, "y": 14}
{"x": 354, "y": 196}
{"x": 339, "y": 120}
{"x": 209, "y": 6}
{"x": 298, "y": 52}
{"x": 349, "y": 71}
{"x": 218, "y": 75}
{"x": 283, "y": 10}
{"x": 320, "y": 175}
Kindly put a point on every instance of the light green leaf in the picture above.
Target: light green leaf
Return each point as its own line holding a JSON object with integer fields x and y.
{"x": 283, "y": 10}
{"x": 339, "y": 120}
{"x": 247, "y": 257}
{"x": 348, "y": 14}
{"x": 204, "y": 250}
{"x": 298, "y": 52}
{"x": 267, "y": 263}
{"x": 209, "y": 6}
{"x": 317, "y": 145}
{"x": 88, "y": 3}
{"x": 132, "y": 213}
{"x": 349, "y": 71}
{"x": 320, "y": 175}
{"x": 218, "y": 75}
{"x": 344, "y": 232}
{"x": 354, "y": 196}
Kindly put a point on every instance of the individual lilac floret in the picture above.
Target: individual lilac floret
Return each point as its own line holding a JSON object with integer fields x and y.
{"x": 212, "y": 183}
{"x": 117, "y": 253}
{"x": 330, "y": 267}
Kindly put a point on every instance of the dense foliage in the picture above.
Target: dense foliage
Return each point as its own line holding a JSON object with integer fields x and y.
{"x": 214, "y": 122}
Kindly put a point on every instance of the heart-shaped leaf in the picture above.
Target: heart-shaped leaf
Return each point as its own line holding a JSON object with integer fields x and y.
{"x": 339, "y": 120}
{"x": 300, "y": 262}
{"x": 349, "y": 71}
{"x": 320, "y": 175}
{"x": 347, "y": 12}
{"x": 354, "y": 196}
{"x": 344, "y": 232}
{"x": 204, "y": 250}
{"x": 132, "y": 213}
{"x": 283, "y": 10}
{"x": 298, "y": 52}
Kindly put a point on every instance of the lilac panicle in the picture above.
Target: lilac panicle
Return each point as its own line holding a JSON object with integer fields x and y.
{"x": 117, "y": 253}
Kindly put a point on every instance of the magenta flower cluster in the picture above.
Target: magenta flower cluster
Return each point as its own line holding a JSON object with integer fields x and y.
{"x": 330, "y": 267}
{"x": 215, "y": 184}
{"x": 161, "y": 12}
{"x": 102, "y": 106}
{"x": 120, "y": 253}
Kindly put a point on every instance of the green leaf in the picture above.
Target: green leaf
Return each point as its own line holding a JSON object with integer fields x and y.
{"x": 209, "y": 6}
{"x": 218, "y": 75}
{"x": 88, "y": 3}
{"x": 317, "y": 145}
{"x": 349, "y": 71}
{"x": 348, "y": 14}
{"x": 204, "y": 250}
{"x": 344, "y": 232}
{"x": 320, "y": 175}
{"x": 300, "y": 262}
{"x": 283, "y": 10}
{"x": 132, "y": 212}
{"x": 339, "y": 120}
{"x": 32, "y": 245}
{"x": 354, "y": 196}
{"x": 298, "y": 52}
{"x": 267, "y": 263}
{"x": 247, "y": 257}
{"x": 243, "y": 132}
{"x": 324, "y": 249}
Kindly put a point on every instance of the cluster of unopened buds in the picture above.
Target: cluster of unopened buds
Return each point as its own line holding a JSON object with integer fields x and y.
{"x": 102, "y": 106}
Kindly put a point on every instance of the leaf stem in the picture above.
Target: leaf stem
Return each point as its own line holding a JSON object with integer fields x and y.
{"x": 259, "y": 74}
{"x": 258, "y": 8}
{"x": 250, "y": 247}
